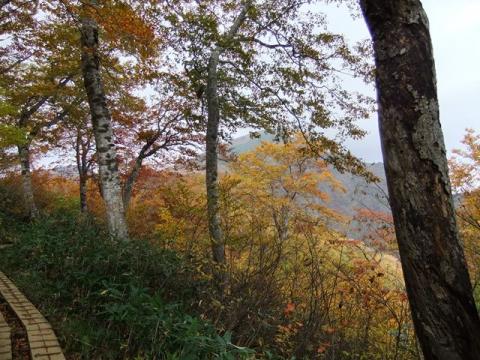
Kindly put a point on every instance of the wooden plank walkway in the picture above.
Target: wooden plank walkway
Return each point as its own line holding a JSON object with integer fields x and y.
{"x": 42, "y": 340}
{"x": 5, "y": 340}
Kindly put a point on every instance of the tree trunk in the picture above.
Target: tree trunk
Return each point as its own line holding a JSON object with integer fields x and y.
{"x": 102, "y": 128}
{"x": 211, "y": 169}
{"x": 28, "y": 197}
{"x": 132, "y": 178}
{"x": 213, "y": 123}
{"x": 281, "y": 220}
{"x": 82, "y": 167}
{"x": 83, "y": 193}
{"x": 436, "y": 277}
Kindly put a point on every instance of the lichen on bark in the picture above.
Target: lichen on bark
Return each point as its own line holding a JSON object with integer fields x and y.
{"x": 436, "y": 277}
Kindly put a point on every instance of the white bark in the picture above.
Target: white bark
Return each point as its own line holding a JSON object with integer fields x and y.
{"x": 102, "y": 127}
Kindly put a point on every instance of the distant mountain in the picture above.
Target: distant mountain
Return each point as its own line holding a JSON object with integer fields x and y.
{"x": 359, "y": 193}
{"x": 246, "y": 143}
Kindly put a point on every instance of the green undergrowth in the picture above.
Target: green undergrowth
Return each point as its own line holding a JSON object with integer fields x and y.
{"x": 105, "y": 299}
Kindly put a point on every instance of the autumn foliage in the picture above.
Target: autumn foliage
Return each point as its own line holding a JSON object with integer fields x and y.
{"x": 295, "y": 285}
{"x": 140, "y": 99}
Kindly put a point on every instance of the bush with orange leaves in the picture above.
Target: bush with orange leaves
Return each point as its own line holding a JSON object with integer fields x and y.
{"x": 465, "y": 174}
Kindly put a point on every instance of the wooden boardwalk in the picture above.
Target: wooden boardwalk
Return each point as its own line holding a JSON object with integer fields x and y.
{"x": 41, "y": 339}
{"x": 5, "y": 341}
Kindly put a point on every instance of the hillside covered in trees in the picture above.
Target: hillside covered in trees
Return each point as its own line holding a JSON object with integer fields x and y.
{"x": 141, "y": 225}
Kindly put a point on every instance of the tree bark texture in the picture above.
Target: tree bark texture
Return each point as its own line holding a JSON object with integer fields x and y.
{"x": 102, "y": 128}
{"x": 27, "y": 186}
{"x": 436, "y": 277}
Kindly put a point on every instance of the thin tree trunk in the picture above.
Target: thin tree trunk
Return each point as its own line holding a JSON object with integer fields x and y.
{"x": 213, "y": 123}
{"x": 281, "y": 221}
{"x": 436, "y": 277}
{"x": 27, "y": 186}
{"x": 102, "y": 128}
{"x": 82, "y": 167}
{"x": 131, "y": 179}
{"x": 83, "y": 194}
{"x": 24, "y": 149}
{"x": 211, "y": 169}
{"x": 147, "y": 150}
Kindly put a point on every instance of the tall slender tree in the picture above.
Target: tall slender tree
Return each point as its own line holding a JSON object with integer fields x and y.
{"x": 102, "y": 124}
{"x": 31, "y": 130}
{"x": 436, "y": 277}
{"x": 34, "y": 73}
{"x": 213, "y": 124}
{"x": 268, "y": 65}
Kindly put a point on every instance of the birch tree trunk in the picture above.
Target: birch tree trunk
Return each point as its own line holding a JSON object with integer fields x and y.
{"x": 436, "y": 277}
{"x": 27, "y": 186}
{"x": 102, "y": 128}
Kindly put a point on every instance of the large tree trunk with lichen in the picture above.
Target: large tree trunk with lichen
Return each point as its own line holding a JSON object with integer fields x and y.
{"x": 27, "y": 186}
{"x": 436, "y": 277}
{"x": 102, "y": 128}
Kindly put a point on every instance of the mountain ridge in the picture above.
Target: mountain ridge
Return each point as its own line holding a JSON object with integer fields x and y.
{"x": 358, "y": 192}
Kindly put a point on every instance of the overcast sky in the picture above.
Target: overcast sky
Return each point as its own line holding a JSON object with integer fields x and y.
{"x": 455, "y": 31}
